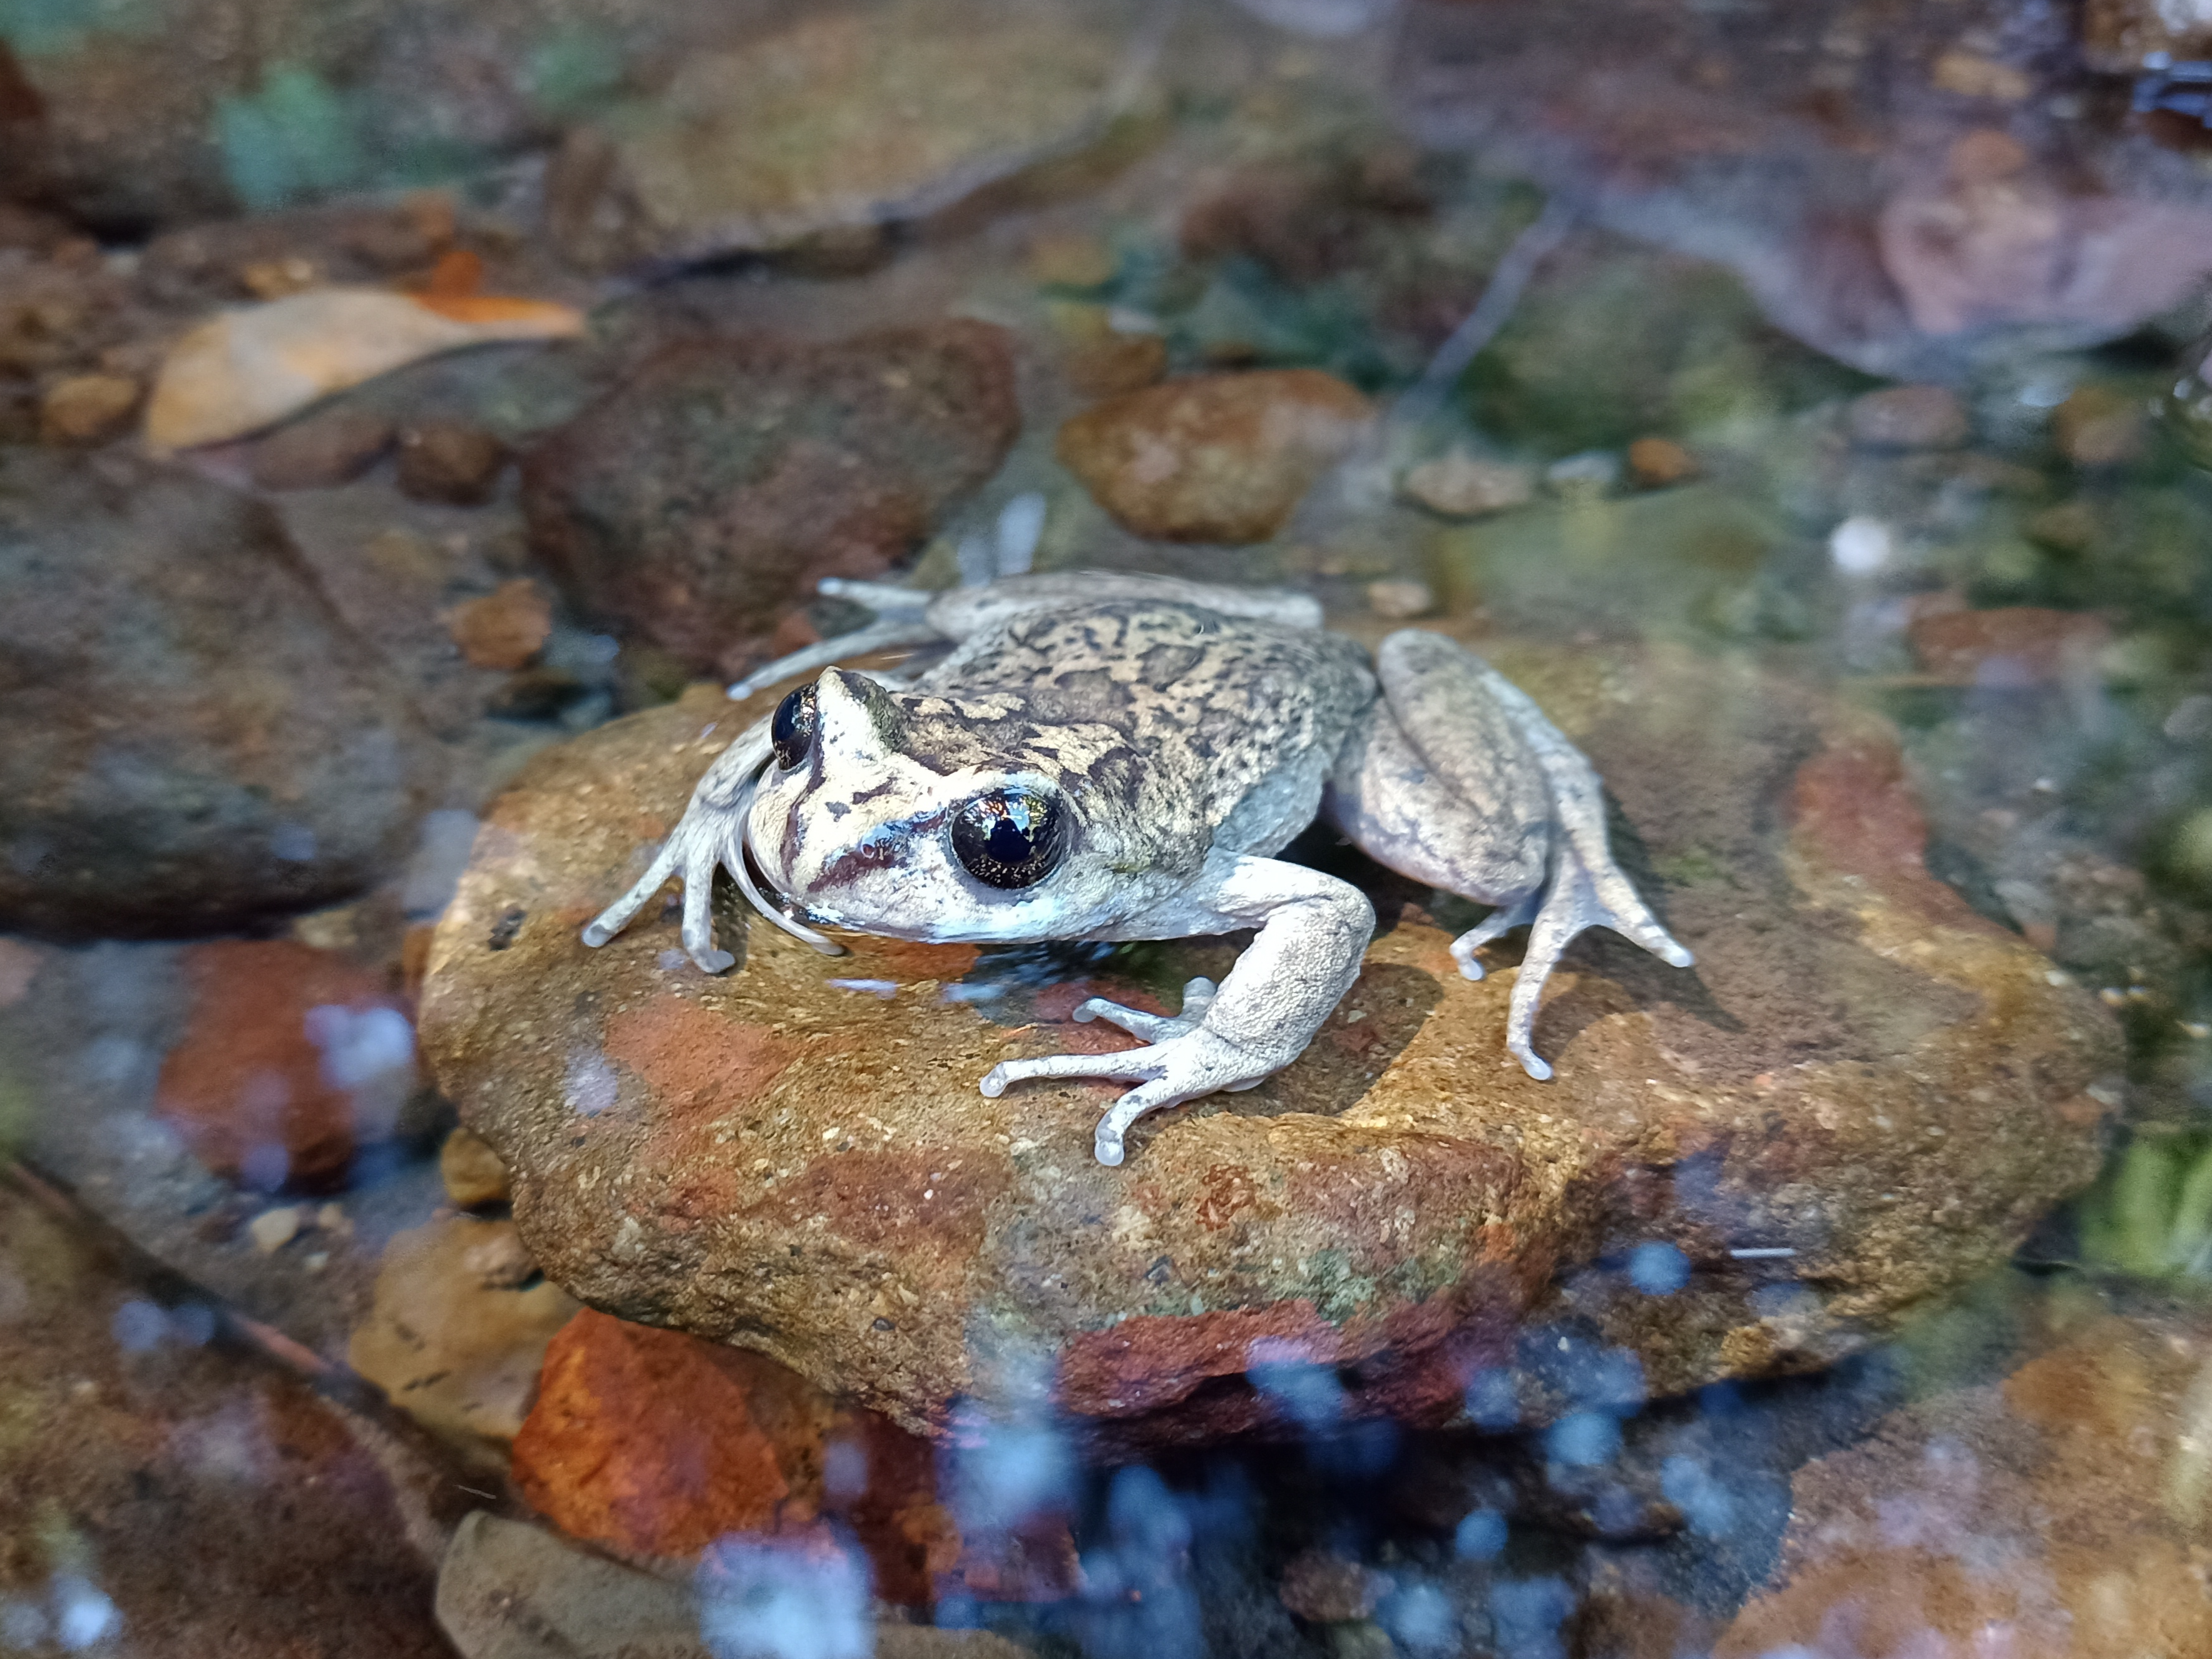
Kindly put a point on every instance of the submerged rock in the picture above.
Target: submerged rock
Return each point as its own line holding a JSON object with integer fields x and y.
{"x": 294, "y": 1060}
{"x": 2064, "y": 1508}
{"x": 1863, "y": 1096}
{"x": 458, "y": 1328}
{"x": 1213, "y": 458}
{"x": 700, "y": 501}
{"x": 849, "y": 118}
{"x": 191, "y": 739}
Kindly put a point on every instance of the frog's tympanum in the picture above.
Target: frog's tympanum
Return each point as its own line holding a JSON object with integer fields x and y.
{"x": 1109, "y": 756}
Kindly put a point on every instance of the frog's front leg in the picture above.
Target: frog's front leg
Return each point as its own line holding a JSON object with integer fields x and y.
{"x": 1458, "y": 779}
{"x": 1313, "y": 931}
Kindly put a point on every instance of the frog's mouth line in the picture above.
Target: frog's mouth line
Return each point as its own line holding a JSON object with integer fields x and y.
{"x": 740, "y": 863}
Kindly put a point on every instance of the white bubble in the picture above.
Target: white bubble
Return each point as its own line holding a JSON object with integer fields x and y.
{"x": 761, "y": 1599}
{"x": 592, "y": 1087}
{"x": 1491, "y": 1401}
{"x": 1480, "y": 1536}
{"x": 138, "y": 1327}
{"x": 1583, "y": 1439}
{"x": 1861, "y": 546}
{"x": 1658, "y": 1269}
{"x": 21, "y": 1625}
{"x": 85, "y": 1616}
{"x": 360, "y": 1045}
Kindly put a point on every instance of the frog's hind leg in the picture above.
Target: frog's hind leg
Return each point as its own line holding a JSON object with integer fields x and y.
{"x": 1460, "y": 781}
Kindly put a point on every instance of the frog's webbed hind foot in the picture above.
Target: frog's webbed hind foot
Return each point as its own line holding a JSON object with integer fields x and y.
{"x": 1466, "y": 785}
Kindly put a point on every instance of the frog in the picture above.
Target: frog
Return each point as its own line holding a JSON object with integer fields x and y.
{"x": 1106, "y": 757}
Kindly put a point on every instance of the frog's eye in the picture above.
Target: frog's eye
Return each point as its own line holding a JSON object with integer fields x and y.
{"x": 791, "y": 732}
{"x": 1011, "y": 837}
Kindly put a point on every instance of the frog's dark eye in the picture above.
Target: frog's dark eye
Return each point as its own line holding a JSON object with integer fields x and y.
{"x": 791, "y": 732}
{"x": 1010, "y": 837}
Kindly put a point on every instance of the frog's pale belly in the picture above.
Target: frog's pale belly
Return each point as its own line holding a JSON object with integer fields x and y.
{"x": 1113, "y": 757}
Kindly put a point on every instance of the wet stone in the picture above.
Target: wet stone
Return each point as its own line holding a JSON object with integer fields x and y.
{"x": 2010, "y": 648}
{"x": 88, "y": 409}
{"x": 658, "y": 1443}
{"x": 795, "y": 1156}
{"x": 164, "y": 1491}
{"x": 194, "y": 739}
{"x": 471, "y": 1171}
{"x": 1909, "y": 417}
{"x": 455, "y": 1338}
{"x": 322, "y": 450}
{"x": 701, "y": 501}
{"x": 506, "y": 627}
{"x": 1462, "y": 486}
{"x": 847, "y": 119}
{"x": 1213, "y": 458}
{"x": 2063, "y": 1507}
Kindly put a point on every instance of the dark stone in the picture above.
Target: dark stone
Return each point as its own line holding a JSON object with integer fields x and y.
{"x": 322, "y": 450}
{"x": 698, "y": 502}
{"x": 190, "y": 738}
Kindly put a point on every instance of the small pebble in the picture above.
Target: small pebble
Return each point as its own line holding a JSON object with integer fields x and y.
{"x": 85, "y": 409}
{"x": 2096, "y": 427}
{"x": 1909, "y": 417}
{"x": 1656, "y": 463}
{"x": 1463, "y": 486}
{"x": 334, "y": 1221}
{"x": 444, "y": 461}
{"x": 1400, "y": 600}
{"x": 272, "y": 1230}
{"x": 1070, "y": 260}
{"x": 472, "y": 1172}
{"x": 506, "y": 627}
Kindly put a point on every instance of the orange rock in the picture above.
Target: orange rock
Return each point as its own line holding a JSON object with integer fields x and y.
{"x": 293, "y": 1059}
{"x": 1213, "y": 458}
{"x": 506, "y": 627}
{"x": 2097, "y": 426}
{"x": 1655, "y": 463}
{"x": 658, "y": 1443}
{"x": 2013, "y": 647}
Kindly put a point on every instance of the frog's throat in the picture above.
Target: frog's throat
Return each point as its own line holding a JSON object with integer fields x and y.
{"x": 741, "y": 868}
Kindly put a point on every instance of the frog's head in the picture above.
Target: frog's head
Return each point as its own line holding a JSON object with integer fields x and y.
{"x": 926, "y": 818}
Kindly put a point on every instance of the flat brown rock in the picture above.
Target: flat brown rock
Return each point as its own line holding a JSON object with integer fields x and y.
{"x": 1860, "y": 1072}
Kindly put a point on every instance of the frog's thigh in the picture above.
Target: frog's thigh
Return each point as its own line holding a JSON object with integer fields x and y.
{"x": 1489, "y": 846}
{"x": 1459, "y": 716}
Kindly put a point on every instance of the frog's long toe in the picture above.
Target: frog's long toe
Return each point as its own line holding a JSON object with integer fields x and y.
{"x": 1197, "y": 997}
{"x": 1195, "y": 1063}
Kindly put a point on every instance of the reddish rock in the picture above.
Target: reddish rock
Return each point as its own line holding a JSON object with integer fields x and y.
{"x": 2064, "y": 1511}
{"x": 2008, "y": 648}
{"x": 322, "y": 450}
{"x": 444, "y": 461}
{"x": 658, "y": 1443}
{"x": 1213, "y": 458}
{"x": 1910, "y": 418}
{"x": 699, "y": 502}
{"x": 293, "y": 1060}
{"x": 506, "y": 627}
{"x": 1397, "y": 1204}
